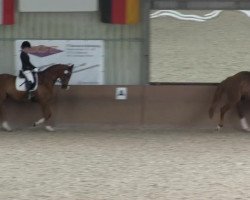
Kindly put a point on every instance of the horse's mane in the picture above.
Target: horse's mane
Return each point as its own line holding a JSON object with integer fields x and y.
{"x": 51, "y": 67}
{"x": 48, "y": 72}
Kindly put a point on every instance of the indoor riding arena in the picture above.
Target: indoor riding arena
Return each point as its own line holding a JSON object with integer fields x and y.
{"x": 134, "y": 123}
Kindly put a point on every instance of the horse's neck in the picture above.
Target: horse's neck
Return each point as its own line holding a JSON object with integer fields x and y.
{"x": 49, "y": 75}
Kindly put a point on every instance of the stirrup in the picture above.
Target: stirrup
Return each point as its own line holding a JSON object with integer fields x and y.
{"x": 30, "y": 95}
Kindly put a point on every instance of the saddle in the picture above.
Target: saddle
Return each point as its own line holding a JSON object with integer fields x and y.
{"x": 21, "y": 82}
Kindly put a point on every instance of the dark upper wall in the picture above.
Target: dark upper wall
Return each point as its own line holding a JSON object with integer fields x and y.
{"x": 200, "y": 4}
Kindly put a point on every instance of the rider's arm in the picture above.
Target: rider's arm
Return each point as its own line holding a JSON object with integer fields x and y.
{"x": 26, "y": 61}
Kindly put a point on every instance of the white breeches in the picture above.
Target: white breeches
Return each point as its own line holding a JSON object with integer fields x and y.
{"x": 28, "y": 75}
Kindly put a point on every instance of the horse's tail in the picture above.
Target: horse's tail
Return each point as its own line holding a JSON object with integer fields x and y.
{"x": 217, "y": 96}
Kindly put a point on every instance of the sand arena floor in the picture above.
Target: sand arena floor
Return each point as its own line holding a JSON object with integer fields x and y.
{"x": 124, "y": 163}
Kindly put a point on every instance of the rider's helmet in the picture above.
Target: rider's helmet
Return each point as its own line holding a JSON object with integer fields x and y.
{"x": 25, "y": 44}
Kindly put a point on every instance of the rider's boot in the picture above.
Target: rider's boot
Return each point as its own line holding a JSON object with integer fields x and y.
{"x": 29, "y": 87}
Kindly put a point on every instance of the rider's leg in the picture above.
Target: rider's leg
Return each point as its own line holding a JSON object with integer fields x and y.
{"x": 29, "y": 77}
{"x": 30, "y": 81}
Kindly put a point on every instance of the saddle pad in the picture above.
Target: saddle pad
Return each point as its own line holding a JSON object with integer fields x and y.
{"x": 20, "y": 84}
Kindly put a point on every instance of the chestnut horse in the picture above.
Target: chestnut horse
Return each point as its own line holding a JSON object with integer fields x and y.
{"x": 43, "y": 94}
{"x": 236, "y": 88}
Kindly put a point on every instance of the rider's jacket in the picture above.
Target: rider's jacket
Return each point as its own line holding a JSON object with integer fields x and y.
{"x": 26, "y": 64}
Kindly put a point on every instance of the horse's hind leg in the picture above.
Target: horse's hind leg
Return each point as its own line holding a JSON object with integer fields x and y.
{"x": 232, "y": 100}
{"x": 5, "y": 124}
{"x": 46, "y": 116}
{"x": 223, "y": 110}
{"x": 243, "y": 120}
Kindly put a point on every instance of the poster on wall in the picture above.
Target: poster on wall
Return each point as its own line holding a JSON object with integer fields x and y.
{"x": 86, "y": 55}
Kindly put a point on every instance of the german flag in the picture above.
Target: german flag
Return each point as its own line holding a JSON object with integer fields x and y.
{"x": 120, "y": 11}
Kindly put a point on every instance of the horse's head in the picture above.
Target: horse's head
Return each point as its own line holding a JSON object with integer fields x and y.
{"x": 65, "y": 74}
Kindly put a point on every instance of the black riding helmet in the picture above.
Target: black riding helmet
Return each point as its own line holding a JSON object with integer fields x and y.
{"x": 25, "y": 44}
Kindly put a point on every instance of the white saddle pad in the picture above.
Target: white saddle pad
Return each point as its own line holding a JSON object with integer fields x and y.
{"x": 20, "y": 84}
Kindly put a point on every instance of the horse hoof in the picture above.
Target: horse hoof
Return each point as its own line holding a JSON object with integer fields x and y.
{"x": 218, "y": 128}
{"x": 49, "y": 128}
{"x": 40, "y": 121}
{"x": 6, "y": 127}
{"x": 246, "y": 129}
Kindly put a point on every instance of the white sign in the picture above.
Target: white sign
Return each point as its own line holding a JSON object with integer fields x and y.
{"x": 121, "y": 93}
{"x": 86, "y": 55}
{"x": 57, "y": 5}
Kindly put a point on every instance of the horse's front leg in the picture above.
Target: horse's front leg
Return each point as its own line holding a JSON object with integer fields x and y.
{"x": 243, "y": 121}
{"x": 46, "y": 116}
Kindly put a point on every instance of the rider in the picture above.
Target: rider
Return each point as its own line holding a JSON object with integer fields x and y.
{"x": 27, "y": 67}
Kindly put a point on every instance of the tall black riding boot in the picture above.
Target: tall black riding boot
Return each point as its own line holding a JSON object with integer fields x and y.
{"x": 28, "y": 85}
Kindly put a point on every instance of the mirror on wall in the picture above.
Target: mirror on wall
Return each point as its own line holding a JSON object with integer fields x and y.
{"x": 198, "y": 46}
